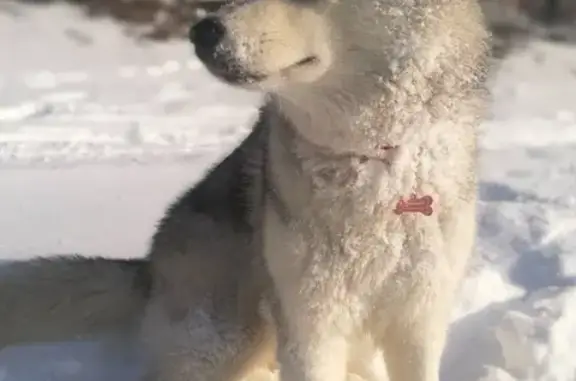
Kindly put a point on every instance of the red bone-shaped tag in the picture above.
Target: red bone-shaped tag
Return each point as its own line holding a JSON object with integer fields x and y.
{"x": 414, "y": 205}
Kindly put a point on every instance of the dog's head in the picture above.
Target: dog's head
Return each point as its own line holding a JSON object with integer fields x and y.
{"x": 266, "y": 44}
{"x": 275, "y": 45}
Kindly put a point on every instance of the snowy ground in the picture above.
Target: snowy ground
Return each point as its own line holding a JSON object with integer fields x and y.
{"x": 98, "y": 133}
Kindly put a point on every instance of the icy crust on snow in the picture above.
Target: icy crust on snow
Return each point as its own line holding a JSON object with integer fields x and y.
{"x": 81, "y": 97}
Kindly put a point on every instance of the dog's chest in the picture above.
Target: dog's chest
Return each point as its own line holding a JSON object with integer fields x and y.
{"x": 353, "y": 203}
{"x": 374, "y": 208}
{"x": 363, "y": 225}
{"x": 405, "y": 179}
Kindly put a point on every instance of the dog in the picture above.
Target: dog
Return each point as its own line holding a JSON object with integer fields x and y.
{"x": 333, "y": 238}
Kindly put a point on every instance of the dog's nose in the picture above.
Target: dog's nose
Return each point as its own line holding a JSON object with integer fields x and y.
{"x": 207, "y": 33}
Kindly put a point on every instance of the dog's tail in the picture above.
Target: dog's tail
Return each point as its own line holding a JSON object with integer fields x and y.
{"x": 67, "y": 298}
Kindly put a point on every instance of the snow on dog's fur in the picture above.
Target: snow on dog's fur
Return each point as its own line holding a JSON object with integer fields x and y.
{"x": 294, "y": 248}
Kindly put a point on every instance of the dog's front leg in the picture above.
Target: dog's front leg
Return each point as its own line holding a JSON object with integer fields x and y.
{"x": 310, "y": 347}
{"x": 312, "y": 331}
{"x": 414, "y": 340}
{"x": 412, "y": 355}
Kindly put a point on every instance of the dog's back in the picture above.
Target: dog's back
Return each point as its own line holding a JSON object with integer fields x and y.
{"x": 70, "y": 297}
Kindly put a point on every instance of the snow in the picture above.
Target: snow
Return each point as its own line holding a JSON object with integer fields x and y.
{"x": 99, "y": 132}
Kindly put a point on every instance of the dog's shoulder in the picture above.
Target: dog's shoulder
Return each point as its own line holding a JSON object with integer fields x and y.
{"x": 227, "y": 195}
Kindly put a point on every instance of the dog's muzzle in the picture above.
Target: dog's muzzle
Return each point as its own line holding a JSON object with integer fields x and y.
{"x": 207, "y": 36}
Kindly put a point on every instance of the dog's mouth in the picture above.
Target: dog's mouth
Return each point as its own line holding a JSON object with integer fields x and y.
{"x": 234, "y": 74}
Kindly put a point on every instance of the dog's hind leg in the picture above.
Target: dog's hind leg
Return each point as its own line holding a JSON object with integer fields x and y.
{"x": 203, "y": 347}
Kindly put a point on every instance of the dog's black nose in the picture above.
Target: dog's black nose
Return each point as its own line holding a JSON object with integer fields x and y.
{"x": 207, "y": 33}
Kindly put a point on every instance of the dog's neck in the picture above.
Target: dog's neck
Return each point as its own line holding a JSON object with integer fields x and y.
{"x": 335, "y": 147}
{"x": 364, "y": 126}
{"x": 404, "y": 110}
